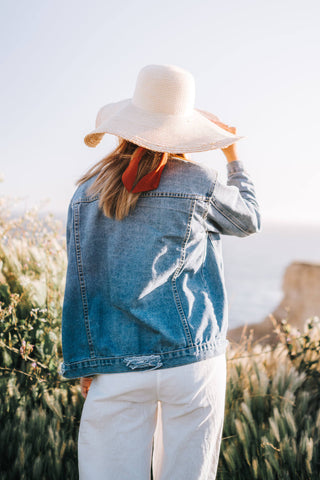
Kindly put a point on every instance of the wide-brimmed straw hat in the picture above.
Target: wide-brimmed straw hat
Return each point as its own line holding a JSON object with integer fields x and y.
{"x": 161, "y": 115}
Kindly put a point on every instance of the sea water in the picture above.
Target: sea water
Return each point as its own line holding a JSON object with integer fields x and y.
{"x": 255, "y": 265}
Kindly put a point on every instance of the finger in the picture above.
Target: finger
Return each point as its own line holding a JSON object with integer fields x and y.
{"x": 223, "y": 125}
{"x": 229, "y": 129}
{"x": 217, "y": 121}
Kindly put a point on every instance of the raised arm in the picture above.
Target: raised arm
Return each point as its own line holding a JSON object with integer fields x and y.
{"x": 234, "y": 209}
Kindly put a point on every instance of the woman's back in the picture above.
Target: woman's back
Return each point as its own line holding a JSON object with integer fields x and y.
{"x": 148, "y": 291}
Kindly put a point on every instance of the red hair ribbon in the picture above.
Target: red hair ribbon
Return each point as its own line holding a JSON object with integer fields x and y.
{"x": 149, "y": 181}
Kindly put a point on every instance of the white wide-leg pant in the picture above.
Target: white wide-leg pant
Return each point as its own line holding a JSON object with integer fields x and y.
{"x": 176, "y": 413}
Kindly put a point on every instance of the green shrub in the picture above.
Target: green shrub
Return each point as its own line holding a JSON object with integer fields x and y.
{"x": 39, "y": 412}
{"x": 272, "y": 414}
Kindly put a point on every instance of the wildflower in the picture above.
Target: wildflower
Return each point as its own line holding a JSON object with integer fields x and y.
{"x": 26, "y": 348}
{"x": 34, "y": 365}
{"x": 23, "y": 347}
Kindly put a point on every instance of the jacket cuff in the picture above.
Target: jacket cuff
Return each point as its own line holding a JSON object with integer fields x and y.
{"x": 235, "y": 166}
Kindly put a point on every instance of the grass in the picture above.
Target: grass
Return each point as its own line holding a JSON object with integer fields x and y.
{"x": 272, "y": 415}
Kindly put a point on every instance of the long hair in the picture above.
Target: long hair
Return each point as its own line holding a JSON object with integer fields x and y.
{"x": 114, "y": 199}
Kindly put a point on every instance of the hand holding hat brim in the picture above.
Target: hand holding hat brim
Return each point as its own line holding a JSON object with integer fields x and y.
{"x": 217, "y": 121}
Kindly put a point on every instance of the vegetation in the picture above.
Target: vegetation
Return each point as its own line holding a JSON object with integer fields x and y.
{"x": 272, "y": 416}
{"x": 39, "y": 412}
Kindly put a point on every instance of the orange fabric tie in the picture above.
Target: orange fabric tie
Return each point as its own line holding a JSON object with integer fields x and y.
{"x": 148, "y": 182}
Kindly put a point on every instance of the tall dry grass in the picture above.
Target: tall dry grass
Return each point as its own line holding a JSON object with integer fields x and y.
{"x": 272, "y": 415}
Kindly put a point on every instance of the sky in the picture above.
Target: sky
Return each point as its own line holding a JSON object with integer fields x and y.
{"x": 255, "y": 63}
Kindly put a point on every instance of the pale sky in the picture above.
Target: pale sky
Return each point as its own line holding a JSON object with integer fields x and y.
{"x": 255, "y": 63}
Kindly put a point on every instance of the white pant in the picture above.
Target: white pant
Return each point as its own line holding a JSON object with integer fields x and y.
{"x": 181, "y": 407}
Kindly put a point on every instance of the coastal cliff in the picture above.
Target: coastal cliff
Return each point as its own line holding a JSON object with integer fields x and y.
{"x": 301, "y": 300}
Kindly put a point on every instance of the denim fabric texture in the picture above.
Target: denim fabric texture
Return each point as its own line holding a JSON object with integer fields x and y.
{"x": 148, "y": 291}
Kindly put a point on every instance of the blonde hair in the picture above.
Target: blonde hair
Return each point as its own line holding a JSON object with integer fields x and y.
{"x": 114, "y": 199}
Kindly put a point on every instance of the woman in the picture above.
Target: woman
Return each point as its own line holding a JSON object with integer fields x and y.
{"x": 145, "y": 315}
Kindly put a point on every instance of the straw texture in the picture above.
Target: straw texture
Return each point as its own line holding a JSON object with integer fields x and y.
{"x": 161, "y": 115}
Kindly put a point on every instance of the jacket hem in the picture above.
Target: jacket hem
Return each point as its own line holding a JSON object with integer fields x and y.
{"x": 133, "y": 363}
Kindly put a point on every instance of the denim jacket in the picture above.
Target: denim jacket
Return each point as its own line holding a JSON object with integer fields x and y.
{"x": 148, "y": 291}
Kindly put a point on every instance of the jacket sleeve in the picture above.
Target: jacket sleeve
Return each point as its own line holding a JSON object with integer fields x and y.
{"x": 233, "y": 208}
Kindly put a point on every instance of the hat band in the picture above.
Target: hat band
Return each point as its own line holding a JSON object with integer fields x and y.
{"x": 150, "y": 181}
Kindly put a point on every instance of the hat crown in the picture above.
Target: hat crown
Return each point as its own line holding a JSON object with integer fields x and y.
{"x": 166, "y": 89}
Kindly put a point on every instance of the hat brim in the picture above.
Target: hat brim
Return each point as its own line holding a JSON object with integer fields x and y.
{"x": 160, "y": 132}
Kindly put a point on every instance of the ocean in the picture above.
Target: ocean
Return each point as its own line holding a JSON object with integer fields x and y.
{"x": 254, "y": 267}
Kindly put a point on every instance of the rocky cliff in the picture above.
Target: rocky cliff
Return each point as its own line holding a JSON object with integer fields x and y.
{"x": 301, "y": 300}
